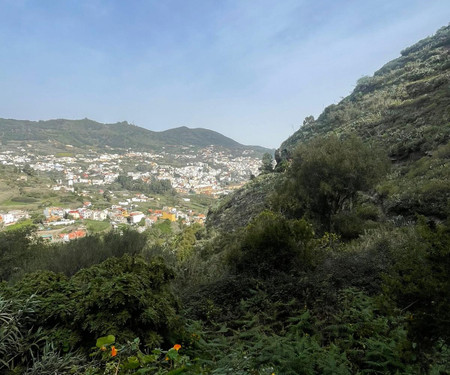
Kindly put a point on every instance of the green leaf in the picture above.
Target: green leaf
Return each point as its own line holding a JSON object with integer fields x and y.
{"x": 131, "y": 363}
{"x": 177, "y": 371}
{"x": 146, "y": 370}
{"x": 106, "y": 340}
{"x": 172, "y": 354}
{"x": 148, "y": 358}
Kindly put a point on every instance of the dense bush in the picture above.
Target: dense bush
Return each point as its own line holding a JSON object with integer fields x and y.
{"x": 271, "y": 243}
{"x": 22, "y": 252}
{"x": 325, "y": 176}
{"x": 418, "y": 283}
{"x": 16, "y": 249}
{"x": 126, "y": 296}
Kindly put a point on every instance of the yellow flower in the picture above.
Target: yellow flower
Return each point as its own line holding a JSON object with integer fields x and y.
{"x": 177, "y": 347}
{"x": 103, "y": 348}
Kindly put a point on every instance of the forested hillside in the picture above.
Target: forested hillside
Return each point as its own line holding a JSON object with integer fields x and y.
{"x": 404, "y": 106}
{"x": 336, "y": 262}
{"x": 88, "y": 133}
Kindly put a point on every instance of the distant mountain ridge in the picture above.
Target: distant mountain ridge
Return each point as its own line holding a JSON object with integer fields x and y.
{"x": 86, "y": 132}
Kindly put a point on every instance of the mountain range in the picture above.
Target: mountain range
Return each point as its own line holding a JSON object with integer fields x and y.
{"x": 89, "y": 133}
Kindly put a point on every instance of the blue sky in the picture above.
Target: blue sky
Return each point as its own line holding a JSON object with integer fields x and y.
{"x": 249, "y": 69}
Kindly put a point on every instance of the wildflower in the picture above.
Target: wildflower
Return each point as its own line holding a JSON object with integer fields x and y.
{"x": 113, "y": 351}
{"x": 177, "y": 347}
{"x": 103, "y": 348}
{"x": 167, "y": 358}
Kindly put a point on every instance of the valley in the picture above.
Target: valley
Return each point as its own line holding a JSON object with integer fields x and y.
{"x": 118, "y": 186}
{"x": 129, "y": 253}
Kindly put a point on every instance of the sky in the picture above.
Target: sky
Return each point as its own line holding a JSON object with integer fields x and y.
{"x": 249, "y": 69}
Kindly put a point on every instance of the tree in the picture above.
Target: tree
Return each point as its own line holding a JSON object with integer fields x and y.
{"x": 272, "y": 243}
{"x": 327, "y": 173}
{"x": 267, "y": 161}
{"x": 28, "y": 170}
{"x": 107, "y": 196}
{"x": 418, "y": 283}
{"x": 308, "y": 121}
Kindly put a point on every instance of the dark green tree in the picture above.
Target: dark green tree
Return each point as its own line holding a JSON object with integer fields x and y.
{"x": 308, "y": 121}
{"x": 266, "y": 166}
{"x": 418, "y": 283}
{"x": 327, "y": 173}
{"x": 28, "y": 170}
{"x": 16, "y": 248}
{"x": 272, "y": 243}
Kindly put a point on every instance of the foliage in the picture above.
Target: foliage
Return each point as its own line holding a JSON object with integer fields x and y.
{"x": 154, "y": 187}
{"x": 130, "y": 359}
{"x": 69, "y": 258}
{"x": 16, "y": 248}
{"x": 126, "y": 297}
{"x": 418, "y": 283}
{"x": 238, "y": 209}
{"x": 421, "y": 187}
{"x": 17, "y": 338}
{"x": 271, "y": 243}
{"x": 50, "y": 362}
{"x": 267, "y": 161}
{"x": 357, "y": 339}
{"x": 327, "y": 173}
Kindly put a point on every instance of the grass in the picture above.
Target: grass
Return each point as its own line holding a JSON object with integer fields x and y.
{"x": 19, "y": 225}
{"x": 6, "y": 192}
{"x": 94, "y": 226}
{"x": 10, "y": 202}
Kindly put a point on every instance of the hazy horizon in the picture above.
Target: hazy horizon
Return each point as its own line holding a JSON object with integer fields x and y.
{"x": 249, "y": 70}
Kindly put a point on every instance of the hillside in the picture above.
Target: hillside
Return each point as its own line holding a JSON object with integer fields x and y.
{"x": 404, "y": 109}
{"x": 88, "y": 133}
{"x": 404, "y": 106}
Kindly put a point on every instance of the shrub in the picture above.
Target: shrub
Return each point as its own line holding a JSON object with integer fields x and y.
{"x": 327, "y": 173}
{"x": 272, "y": 243}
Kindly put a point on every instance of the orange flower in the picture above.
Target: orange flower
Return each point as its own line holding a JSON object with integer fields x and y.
{"x": 113, "y": 351}
{"x": 177, "y": 347}
{"x": 167, "y": 358}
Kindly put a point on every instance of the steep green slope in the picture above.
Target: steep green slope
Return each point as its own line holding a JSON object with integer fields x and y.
{"x": 231, "y": 213}
{"x": 80, "y": 133}
{"x": 405, "y": 110}
{"x": 404, "y": 106}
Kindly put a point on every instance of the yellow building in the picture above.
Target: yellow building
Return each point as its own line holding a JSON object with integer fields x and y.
{"x": 168, "y": 216}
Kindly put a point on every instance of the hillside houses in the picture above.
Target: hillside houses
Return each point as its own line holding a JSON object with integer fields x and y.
{"x": 205, "y": 167}
{"x": 119, "y": 215}
{"x": 93, "y": 176}
{"x": 12, "y": 217}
